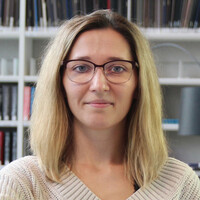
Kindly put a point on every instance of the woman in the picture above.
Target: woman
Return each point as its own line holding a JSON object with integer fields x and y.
{"x": 96, "y": 129}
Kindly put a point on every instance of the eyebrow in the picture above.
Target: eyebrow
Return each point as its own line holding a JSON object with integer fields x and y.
{"x": 108, "y": 59}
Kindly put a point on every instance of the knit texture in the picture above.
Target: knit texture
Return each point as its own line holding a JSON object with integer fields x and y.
{"x": 24, "y": 180}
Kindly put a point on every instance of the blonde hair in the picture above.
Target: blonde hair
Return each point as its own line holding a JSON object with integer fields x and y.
{"x": 51, "y": 135}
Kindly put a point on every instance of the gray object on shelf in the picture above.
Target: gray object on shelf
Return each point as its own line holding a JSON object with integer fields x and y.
{"x": 190, "y": 111}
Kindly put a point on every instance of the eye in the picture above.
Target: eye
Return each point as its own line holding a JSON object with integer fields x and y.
{"x": 82, "y": 68}
{"x": 116, "y": 69}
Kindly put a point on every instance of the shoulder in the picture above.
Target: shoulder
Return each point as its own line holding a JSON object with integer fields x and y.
{"x": 21, "y": 177}
{"x": 179, "y": 179}
{"x": 21, "y": 167}
{"x": 174, "y": 166}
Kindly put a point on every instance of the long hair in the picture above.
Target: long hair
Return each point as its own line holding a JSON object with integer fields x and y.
{"x": 51, "y": 135}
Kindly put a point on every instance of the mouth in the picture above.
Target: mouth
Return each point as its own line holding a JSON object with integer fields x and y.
{"x": 99, "y": 103}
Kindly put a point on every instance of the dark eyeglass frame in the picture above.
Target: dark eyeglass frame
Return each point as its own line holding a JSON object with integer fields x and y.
{"x": 133, "y": 63}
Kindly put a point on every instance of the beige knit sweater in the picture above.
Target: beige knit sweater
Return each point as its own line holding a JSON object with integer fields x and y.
{"x": 23, "y": 179}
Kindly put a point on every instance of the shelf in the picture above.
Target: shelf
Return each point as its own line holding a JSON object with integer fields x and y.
{"x": 26, "y": 123}
{"x": 9, "y": 33}
{"x": 172, "y": 34}
{"x": 9, "y": 79}
{"x": 41, "y": 33}
{"x": 170, "y": 127}
{"x": 180, "y": 81}
{"x": 153, "y": 34}
{"x": 30, "y": 79}
{"x": 8, "y": 123}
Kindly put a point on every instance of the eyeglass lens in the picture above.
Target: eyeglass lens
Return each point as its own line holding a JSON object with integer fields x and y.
{"x": 81, "y": 71}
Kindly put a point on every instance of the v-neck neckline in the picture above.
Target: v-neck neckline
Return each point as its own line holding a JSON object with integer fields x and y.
{"x": 72, "y": 185}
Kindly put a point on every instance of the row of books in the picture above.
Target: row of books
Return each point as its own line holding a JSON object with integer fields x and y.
{"x": 166, "y": 13}
{"x": 146, "y": 13}
{"x": 8, "y": 146}
{"x": 8, "y": 101}
{"x": 9, "y": 13}
{"x": 9, "y": 66}
{"x": 28, "y": 101}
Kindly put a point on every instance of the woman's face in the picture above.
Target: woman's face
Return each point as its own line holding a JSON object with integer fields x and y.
{"x": 99, "y": 104}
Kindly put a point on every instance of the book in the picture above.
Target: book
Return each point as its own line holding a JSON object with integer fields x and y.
{"x": 16, "y": 12}
{"x": 11, "y": 13}
{"x": 64, "y": 9}
{"x": 33, "y": 68}
{"x": 193, "y": 13}
{"x": 32, "y": 98}
{"x": 1, "y": 147}
{"x": 6, "y": 101}
{"x": 7, "y": 147}
{"x": 14, "y": 101}
{"x": 15, "y": 66}
{"x": 188, "y": 13}
{"x": 108, "y": 4}
{"x": 14, "y": 145}
{"x": 27, "y": 149}
{"x": 69, "y": 9}
{"x": 1, "y": 102}
{"x": 35, "y": 8}
{"x": 114, "y": 5}
{"x": 29, "y": 14}
{"x": 103, "y": 4}
{"x": 139, "y": 12}
{"x": 177, "y": 14}
{"x": 27, "y": 100}
{"x": 1, "y": 12}
{"x": 6, "y": 13}
{"x": 44, "y": 13}
{"x": 4, "y": 66}
{"x": 96, "y": 4}
{"x": 40, "y": 16}
{"x": 50, "y": 19}
{"x": 197, "y": 16}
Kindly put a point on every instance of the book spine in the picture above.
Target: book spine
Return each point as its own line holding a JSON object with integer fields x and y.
{"x": 96, "y": 4}
{"x": 64, "y": 9}
{"x": 29, "y": 18}
{"x": 6, "y": 102}
{"x": 16, "y": 12}
{"x": 14, "y": 102}
{"x": 55, "y": 14}
{"x": 40, "y": 18}
{"x": 1, "y": 148}
{"x": 32, "y": 98}
{"x": 1, "y": 12}
{"x": 4, "y": 66}
{"x": 44, "y": 13}
{"x": 11, "y": 13}
{"x": 197, "y": 17}
{"x": 33, "y": 69}
{"x": 14, "y": 145}
{"x": 7, "y": 147}
{"x": 1, "y": 102}
{"x": 6, "y": 13}
{"x": 108, "y": 4}
{"x": 129, "y": 3}
{"x": 15, "y": 66}
{"x": 35, "y": 6}
{"x": 27, "y": 99}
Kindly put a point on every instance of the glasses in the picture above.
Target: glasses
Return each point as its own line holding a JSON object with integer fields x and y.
{"x": 82, "y": 71}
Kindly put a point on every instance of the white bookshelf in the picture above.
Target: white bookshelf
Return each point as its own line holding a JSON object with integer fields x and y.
{"x": 30, "y": 43}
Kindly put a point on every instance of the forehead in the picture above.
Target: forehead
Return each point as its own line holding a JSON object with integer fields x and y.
{"x": 100, "y": 42}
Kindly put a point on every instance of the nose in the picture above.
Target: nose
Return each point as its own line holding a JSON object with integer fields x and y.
{"x": 99, "y": 82}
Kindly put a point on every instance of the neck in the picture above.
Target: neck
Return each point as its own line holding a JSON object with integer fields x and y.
{"x": 99, "y": 147}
